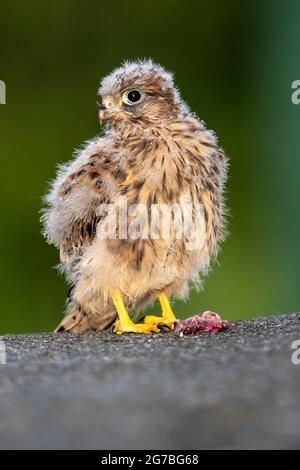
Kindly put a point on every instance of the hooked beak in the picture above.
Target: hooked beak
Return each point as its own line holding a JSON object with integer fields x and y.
{"x": 108, "y": 110}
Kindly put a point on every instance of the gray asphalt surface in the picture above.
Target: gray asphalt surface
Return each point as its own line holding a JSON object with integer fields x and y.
{"x": 235, "y": 389}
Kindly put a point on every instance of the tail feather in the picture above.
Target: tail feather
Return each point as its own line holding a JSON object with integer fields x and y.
{"x": 74, "y": 321}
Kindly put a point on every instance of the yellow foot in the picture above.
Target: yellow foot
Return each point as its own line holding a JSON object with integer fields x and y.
{"x": 130, "y": 327}
{"x": 168, "y": 318}
{"x": 151, "y": 323}
{"x": 163, "y": 321}
{"x": 124, "y": 324}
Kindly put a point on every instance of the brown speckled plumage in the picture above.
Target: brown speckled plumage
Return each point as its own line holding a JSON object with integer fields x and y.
{"x": 155, "y": 152}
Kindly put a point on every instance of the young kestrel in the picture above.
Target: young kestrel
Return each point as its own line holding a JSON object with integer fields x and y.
{"x": 153, "y": 152}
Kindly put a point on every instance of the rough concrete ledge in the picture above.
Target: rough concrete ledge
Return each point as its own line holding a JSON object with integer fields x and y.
{"x": 235, "y": 389}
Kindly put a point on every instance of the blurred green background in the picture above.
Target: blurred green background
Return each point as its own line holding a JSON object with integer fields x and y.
{"x": 234, "y": 63}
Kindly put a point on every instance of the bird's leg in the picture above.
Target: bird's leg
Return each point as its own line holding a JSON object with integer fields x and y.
{"x": 168, "y": 318}
{"x": 124, "y": 324}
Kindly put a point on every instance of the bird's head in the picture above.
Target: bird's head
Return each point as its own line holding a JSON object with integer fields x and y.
{"x": 139, "y": 93}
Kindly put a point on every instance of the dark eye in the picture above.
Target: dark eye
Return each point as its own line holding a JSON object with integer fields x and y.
{"x": 132, "y": 97}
